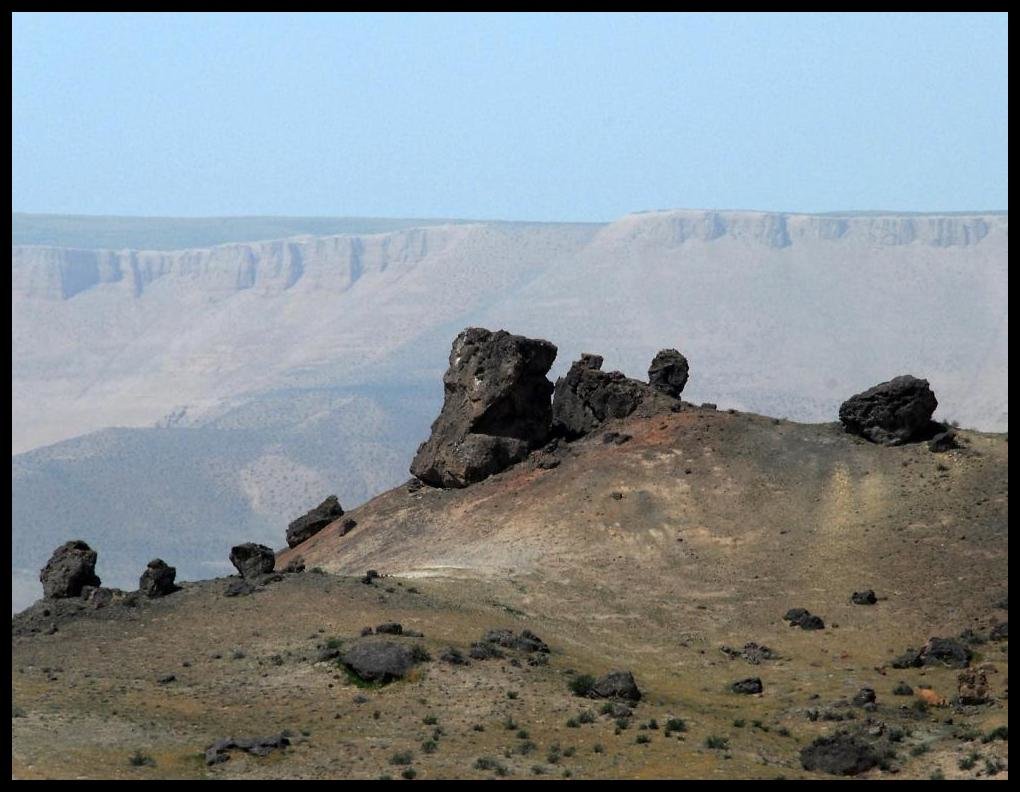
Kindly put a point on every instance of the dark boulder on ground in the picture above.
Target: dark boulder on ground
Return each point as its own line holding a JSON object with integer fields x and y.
{"x": 252, "y": 560}
{"x": 588, "y": 396}
{"x": 382, "y": 661}
{"x": 307, "y": 525}
{"x": 295, "y": 566}
{"x": 752, "y": 652}
{"x": 453, "y": 656}
{"x": 909, "y": 659}
{"x": 238, "y": 588}
{"x": 71, "y": 567}
{"x": 347, "y": 526}
{"x": 891, "y": 413}
{"x": 945, "y": 652}
{"x": 863, "y": 597}
{"x": 158, "y": 579}
{"x": 220, "y": 750}
{"x": 800, "y": 617}
{"x": 389, "y": 628}
{"x": 496, "y": 408}
{"x": 749, "y": 686}
{"x": 943, "y": 441}
{"x": 864, "y": 697}
{"x": 527, "y": 641}
{"x": 616, "y": 685}
{"x": 842, "y": 753}
{"x": 902, "y": 689}
{"x": 1000, "y": 632}
{"x": 668, "y": 372}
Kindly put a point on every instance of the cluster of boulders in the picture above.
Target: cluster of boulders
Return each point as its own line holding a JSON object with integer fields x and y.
{"x": 936, "y": 652}
{"x": 497, "y": 406}
{"x": 803, "y": 618}
{"x": 71, "y": 573}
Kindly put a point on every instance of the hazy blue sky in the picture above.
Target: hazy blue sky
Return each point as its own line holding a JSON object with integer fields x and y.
{"x": 544, "y": 117}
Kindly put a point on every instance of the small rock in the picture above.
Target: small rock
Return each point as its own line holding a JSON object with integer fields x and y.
{"x": 219, "y": 751}
{"x": 863, "y": 697}
{"x": 238, "y": 588}
{"x": 749, "y": 686}
{"x": 943, "y": 441}
{"x": 1000, "y": 632}
{"x": 166, "y": 680}
{"x": 389, "y": 628}
{"x": 453, "y": 656}
{"x": 902, "y": 689}
{"x": 863, "y": 597}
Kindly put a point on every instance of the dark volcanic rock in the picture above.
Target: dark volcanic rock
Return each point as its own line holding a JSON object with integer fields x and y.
{"x": 252, "y": 560}
{"x": 945, "y": 652}
{"x": 799, "y": 617}
{"x": 307, "y": 525}
{"x": 381, "y": 661}
{"x": 496, "y": 408}
{"x": 527, "y": 641}
{"x": 220, "y": 750}
{"x": 943, "y": 441}
{"x": 909, "y": 659}
{"x": 668, "y": 372}
{"x": 453, "y": 656}
{"x": 616, "y": 685}
{"x": 863, "y": 597}
{"x": 749, "y": 686}
{"x": 891, "y": 413}
{"x": 238, "y": 588}
{"x": 158, "y": 579}
{"x": 863, "y": 697}
{"x": 71, "y": 567}
{"x": 902, "y": 689}
{"x": 587, "y": 396}
{"x": 389, "y": 628}
{"x": 840, "y": 754}
{"x": 347, "y": 526}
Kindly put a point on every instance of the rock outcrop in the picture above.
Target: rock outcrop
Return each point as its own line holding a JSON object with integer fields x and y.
{"x": 307, "y": 525}
{"x": 158, "y": 579}
{"x": 252, "y": 560}
{"x": 588, "y": 396}
{"x": 668, "y": 372}
{"x": 382, "y": 661}
{"x": 842, "y": 753}
{"x": 891, "y": 413}
{"x": 496, "y": 408}
{"x": 616, "y": 685}
{"x": 71, "y": 567}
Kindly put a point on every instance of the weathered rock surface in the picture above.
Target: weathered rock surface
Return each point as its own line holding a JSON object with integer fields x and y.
{"x": 801, "y": 617}
{"x": 842, "y": 753}
{"x": 866, "y": 597}
{"x": 943, "y": 441}
{"x": 616, "y": 685}
{"x": 307, "y": 525}
{"x": 668, "y": 372}
{"x": 891, "y": 413}
{"x": 382, "y": 661}
{"x": 252, "y": 560}
{"x": 527, "y": 641}
{"x": 972, "y": 686}
{"x": 496, "y": 408}
{"x": 937, "y": 652}
{"x": 588, "y": 396}
{"x": 749, "y": 686}
{"x": 71, "y": 567}
{"x": 220, "y": 750}
{"x": 158, "y": 579}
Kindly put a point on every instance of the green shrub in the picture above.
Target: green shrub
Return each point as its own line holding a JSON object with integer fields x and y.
{"x": 138, "y": 759}
{"x": 676, "y": 725}
{"x": 402, "y": 758}
{"x": 582, "y": 684}
{"x": 717, "y": 743}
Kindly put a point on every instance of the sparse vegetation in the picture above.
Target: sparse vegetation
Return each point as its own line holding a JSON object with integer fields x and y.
{"x": 968, "y": 762}
{"x": 429, "y": 746}
{"x": 643, "y": 739}
{"x": 999, "y": 733}
{"x": 139, "y": 759}
{"x": 717, "y": 743}
{"x": 430, "y": 720}
{"x": 402, "y": 758}
{"x": 409, "y": 774}
{"x": 582, "y": 684}
{"x": 676, "y": 725}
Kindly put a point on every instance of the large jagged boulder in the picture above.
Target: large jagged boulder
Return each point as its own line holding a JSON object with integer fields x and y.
{"x": 158, "y": 579}
{"x": 496, "y": 408}
{"x": 71, "y": 567}
{"x": 382, "y": 661}
{"x": 253, "y": 560}
{"x": 668, "y": 372}
{"x": 891, "y": 413}
{"x": 843, "y": 753}
{"x": 616, "y": 685}
{"x": 588, "y": 396}
{"x": 307, "y": 525}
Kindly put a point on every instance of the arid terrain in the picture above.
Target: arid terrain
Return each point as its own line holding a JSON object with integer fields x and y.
{"x": 650, "y": 554}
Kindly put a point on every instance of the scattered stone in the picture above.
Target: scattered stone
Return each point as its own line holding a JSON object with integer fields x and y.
{"x": 453, "y": 656}
{"x": 347, "y": 526}
{"x": 617, "y": 710}
{"x": 863, "y": 597}
{"x": 389, "y": 628}
{"x": 972, "y": 686}
{"x": 616, "y": 495}
{"x": 587, "y": 396}
{"x": 252, "y": 560}
{"x": 864, "y": 697}
{"x": 71, "y": 567}
{"x": 382, "y": 661}
{"x": 294, "y": 566}
{"x": 219, "y": 751}
{"x": 749, "y": 686}
{"x": 943, "y": 441}
{"x": 841, "y": 753}
{"x": 238, "y": 588}
{"x": 166, "y": 680}
{"x": 158, "y": 579}
{"x": 909, "y": 659}
{"x": 1000, "y": 632}
{"x": 615, "y": 438}
{"x": 309, "y": 524}
{"x": 496, "y": 408}
{"x": 366, "y": 631}
{"x": 891, "y": 413}
{"x": 527, "y": 641}
{"x": 752, "y": 652}
{"x": 616, "y": 685}
{"x": 902, "y": 689}
{"x": 800, "y": 617}
{"x": 414, "y": 485}
{"x": 945, "y": 652}
{"x": 668, "y": 372}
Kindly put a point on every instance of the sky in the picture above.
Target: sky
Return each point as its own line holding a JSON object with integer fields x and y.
{"x": 551, "y": 117}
